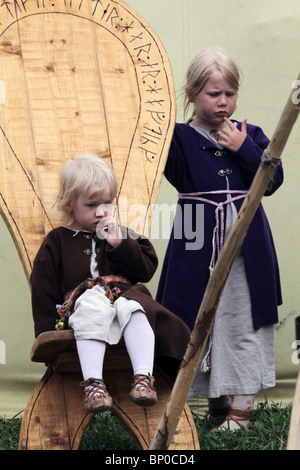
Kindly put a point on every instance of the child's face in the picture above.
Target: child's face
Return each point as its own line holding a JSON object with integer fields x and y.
{"x": 215, "y": 101}
{"x": 88, "y": 212}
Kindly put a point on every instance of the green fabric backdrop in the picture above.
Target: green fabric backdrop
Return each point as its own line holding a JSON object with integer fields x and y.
{"x": 263, "y": 37}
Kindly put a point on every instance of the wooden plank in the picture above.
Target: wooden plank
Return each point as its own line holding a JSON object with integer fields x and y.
{"x": 110, "y": 93}
{"x": 54, "y": 418}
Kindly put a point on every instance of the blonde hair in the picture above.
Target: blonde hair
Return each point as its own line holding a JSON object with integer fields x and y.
{"x": 202, "y": 67}
{"x": 84, "y": 174}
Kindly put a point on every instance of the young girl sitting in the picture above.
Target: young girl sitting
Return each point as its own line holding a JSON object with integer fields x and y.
{"x": 89, "y": 271}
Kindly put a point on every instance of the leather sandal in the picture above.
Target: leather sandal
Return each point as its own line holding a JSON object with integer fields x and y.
{"x": 96, "y": 397}
{"x": 234, "y": 415}
{"x": 238, "y": 415}
{"x": 143, "y": 392}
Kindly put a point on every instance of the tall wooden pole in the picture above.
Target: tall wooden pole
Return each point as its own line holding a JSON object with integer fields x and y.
{"x": 195, "y": 349}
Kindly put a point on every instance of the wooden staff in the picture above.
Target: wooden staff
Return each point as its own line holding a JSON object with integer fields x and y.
{"x": 199, "y": 335}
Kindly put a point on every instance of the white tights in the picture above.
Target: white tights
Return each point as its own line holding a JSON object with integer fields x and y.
{"x": 139, "y": 340}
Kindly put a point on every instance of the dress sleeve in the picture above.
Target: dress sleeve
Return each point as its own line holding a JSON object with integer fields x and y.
{"x": 249, "y": 157}
{"x": 45, "y": 286}
{"x": 175, "y": 169}
{"x": 135, "y": 255}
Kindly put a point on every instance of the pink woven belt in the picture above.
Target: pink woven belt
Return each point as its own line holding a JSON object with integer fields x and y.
{"x": 219, "y": 230}
{"x": 218, "y": 240}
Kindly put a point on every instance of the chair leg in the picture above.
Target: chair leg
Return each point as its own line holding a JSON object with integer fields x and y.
{"x": 54, "y": 418}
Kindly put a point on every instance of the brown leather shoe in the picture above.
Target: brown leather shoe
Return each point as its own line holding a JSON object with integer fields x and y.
{"x": 143, "y": 392}
{"x": 96, "y": 397}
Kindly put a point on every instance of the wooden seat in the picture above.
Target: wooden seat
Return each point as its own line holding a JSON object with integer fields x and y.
{"x": 81, "y": 77}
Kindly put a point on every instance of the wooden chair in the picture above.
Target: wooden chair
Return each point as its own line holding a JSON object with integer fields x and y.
{"x": 81, "y": 76}
{"x": 55, "y": 418}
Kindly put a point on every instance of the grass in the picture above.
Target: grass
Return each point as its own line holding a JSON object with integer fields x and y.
{"x": 269, "y": 431}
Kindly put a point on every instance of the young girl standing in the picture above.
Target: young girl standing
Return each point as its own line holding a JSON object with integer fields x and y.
{"x": 212, "y": 162}
{"x": 90, "y": 271}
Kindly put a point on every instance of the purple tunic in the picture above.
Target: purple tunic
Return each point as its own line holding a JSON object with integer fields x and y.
{"x": 195, "y": 165}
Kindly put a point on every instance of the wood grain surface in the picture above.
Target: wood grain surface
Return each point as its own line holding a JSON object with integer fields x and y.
{"x": 79, "y": 76}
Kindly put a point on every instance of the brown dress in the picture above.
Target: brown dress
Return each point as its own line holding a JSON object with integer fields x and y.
{"x": 63, "y": 262}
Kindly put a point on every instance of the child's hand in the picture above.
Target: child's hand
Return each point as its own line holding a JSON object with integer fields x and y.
{"x": 109, "y": 230}
{"x": 230, "y": 137}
